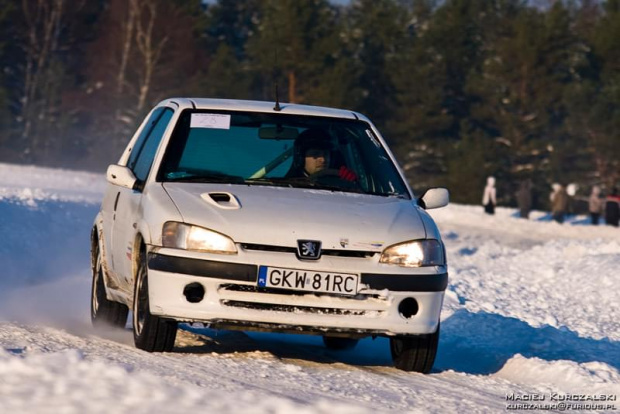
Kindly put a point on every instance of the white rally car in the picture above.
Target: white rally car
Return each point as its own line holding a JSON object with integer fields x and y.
{"x": 242, "y": 215}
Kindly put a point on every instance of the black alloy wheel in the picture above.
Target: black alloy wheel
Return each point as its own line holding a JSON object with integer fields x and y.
{"x": 150, "y": 332}
{"x": 415, "y": 352}
{"x": 104, "y": 312}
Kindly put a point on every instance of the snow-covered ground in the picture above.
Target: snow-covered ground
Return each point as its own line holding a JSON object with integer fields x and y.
{"x": 532, "y": 311}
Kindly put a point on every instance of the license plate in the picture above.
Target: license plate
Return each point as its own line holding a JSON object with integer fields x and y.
{"x": 307, "y": 280}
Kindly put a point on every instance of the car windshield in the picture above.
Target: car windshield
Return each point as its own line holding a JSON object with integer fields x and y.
{"x": 279, "y": 150}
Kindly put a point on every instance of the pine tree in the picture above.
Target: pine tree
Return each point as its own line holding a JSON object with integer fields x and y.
{"x": 596, "y": 102}
{"x": 232, "y": 23}
{"x": 434, "y": 104}
{"x": 6, "y": 9}
{"x": 294, "y": 43}
{"x": 226, "y": 76}
{"x": 377, "y": 32}
{"x": 229, "y": 26}
{"x": 532, "y": 56}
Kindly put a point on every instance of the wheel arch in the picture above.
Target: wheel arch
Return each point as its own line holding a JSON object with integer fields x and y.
{"x": 94, "y": 242}
{"x": 96, "y": 233}
{"x": 139, "y": 246}
{"x": 142, "y": 238}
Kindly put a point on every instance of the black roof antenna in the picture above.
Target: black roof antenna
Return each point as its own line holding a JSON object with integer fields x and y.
{"x": 277, "y": 107}
{"x": 275, "y": 77}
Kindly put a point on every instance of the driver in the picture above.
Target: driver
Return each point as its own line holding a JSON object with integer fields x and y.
{"x": 312, "y": 154}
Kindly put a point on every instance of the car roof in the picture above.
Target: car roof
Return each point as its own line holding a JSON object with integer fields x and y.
{"x": 264, "y": 106}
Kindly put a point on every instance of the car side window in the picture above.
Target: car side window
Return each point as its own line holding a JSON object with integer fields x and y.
{"x": 145, "y": 153}
{"x": 131, "y": 163}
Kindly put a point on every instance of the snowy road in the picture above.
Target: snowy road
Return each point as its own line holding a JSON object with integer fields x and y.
{"x": 532, "y": 309}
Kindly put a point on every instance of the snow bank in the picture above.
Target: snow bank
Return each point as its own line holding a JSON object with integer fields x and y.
{"x": 68, "y": 382}
{"x": 566, "y": 377}
{"x": 29, "y": 184}
{"x": 506, "y": 222}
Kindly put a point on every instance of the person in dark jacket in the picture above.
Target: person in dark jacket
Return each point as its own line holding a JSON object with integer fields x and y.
{"x": 524, "y": 198}
{"x": 312, "y": 153}
{"x": 612, "y": 208}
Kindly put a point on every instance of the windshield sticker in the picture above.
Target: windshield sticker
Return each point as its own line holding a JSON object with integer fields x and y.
{"x": 215, "y": 121}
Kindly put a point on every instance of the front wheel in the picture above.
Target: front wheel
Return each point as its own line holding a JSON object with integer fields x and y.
{"x": 104, "y": 312}
{"x": 150, "y": 332}
{"x": 416, "y": 352}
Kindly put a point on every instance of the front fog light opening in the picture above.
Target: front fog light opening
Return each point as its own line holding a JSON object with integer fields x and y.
{"x": 194, "y": 292}
{"x": 408, "y": 308}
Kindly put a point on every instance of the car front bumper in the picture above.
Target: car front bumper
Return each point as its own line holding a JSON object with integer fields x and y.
{"x": 233, "y": 299}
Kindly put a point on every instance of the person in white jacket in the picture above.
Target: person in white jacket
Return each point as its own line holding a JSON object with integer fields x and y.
{"x": 489, "y": 200}
{"x": 595, "y": 204}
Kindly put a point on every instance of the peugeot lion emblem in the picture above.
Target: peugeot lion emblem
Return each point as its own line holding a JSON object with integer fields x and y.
{"x": 308, "y": 249}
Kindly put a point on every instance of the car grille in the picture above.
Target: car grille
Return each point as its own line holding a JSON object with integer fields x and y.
{"x": 293, "y": 309}
{"x": 279, "y": 300}
{"x": 325, "y": 252}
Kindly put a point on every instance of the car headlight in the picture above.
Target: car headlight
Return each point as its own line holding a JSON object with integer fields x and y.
{"x": 188, "y": 237}
{"x": 415, "y": 254}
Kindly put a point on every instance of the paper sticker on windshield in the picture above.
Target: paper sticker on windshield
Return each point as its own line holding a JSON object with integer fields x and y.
{"x": 217, "y": 121}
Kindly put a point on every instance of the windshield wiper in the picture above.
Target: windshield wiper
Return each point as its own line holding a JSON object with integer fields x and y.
{"x": 302, "y": 182}
{"x": 386, "y": 194}
{"x": 263, "y": 181}
{"x": 207, "y": 178}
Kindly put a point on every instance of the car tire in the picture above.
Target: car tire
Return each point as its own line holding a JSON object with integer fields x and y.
{"x": 339, "y": 344}
{"x": 416, "y": 352}
{"x": 150, "y": 332}
{"x": 104, "y": 312}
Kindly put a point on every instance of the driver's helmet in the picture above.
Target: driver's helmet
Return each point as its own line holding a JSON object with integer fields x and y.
{"x": 312, "y": 138}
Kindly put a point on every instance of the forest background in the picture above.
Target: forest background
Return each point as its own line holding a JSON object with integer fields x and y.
{"x": 461, "y": 89}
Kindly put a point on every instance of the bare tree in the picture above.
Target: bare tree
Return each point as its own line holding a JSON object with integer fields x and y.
{"x": 150, "y": 48}
{"x": 127, "y": 43}
{"x": 43, "y": 19}
{"x": 46, "y": 31}
{"x": 144, "y": 50}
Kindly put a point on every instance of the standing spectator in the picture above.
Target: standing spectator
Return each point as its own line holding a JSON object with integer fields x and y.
{"x": 612, "y": 208}
{"x": 524, "y": 198}
{"x": 595, "y": 204}
{"x": 571, "y": 190}
{"x": 489, "y": 200}
{"x": 559, "y": 203}
{"x": 554, "y": 189}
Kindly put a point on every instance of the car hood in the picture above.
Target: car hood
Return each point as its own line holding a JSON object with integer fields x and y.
{"x": 280, "y": 216}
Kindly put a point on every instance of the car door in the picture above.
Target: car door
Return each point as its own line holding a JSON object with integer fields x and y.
{"x": 110, "y": 205}
{"x": 128, "y": 205}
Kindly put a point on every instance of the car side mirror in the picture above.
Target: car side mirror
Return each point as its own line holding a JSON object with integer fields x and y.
{"x": 434, "y": 198}
{"x": 121, "y": 176}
